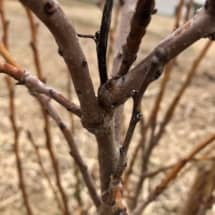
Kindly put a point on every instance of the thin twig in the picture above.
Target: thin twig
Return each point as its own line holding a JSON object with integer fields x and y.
{"x": 152, "y": 120}
{"x": 113, "y": 32}
{"x": 12, "y": 111}
{"x": 117, "y": 90}
{"x": 188, "y": 10}
{"x": 73, "y": 149}
{"x": 51, "y": 14}
{"x": 173, "y": 173}
{"x": 87, "y": 36}
{"x": 178, "y": 13}
{"x": 47, "y": 127}
{"x": 34, "y": 44}
{"x": 44, "y": 172}
{"x": 38, "y": 85}
{"x": 20, "y": 75}
{"x": 171, "y": 108}
{"x": 139, "y": 23}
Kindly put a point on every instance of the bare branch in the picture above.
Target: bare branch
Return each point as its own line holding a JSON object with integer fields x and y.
{"x": 178, "y": 13}
{"x": 88, "y": 36}
{"x": 173, "y": 174}
{"x": 34, "y": 44}
{"x": 43, "y": 170}
{"x": 126, "y": 11}
{"x": 140, "y": 21}
{"x": 200, "y": 197}
{"x": 35, "y": 84}
{"x": 155, "y": 137}
{"x": 118, "y": 90}
{"x": 73, "y": 149}
{"x": 13, "y": 121}
{"x": 45, "y": 101}
{"x": 189, "y": 5}
{"x": 102, "y": 40}
{"x": 50, "y": 12}
{"x": 169, "y": 113}
{"x": 47, "y": 127}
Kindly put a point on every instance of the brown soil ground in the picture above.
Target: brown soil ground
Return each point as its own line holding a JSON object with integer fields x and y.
{"x": 193, "y": 120}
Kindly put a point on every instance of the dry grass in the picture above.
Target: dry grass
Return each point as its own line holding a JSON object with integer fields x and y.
{"x": 194, "y": 118}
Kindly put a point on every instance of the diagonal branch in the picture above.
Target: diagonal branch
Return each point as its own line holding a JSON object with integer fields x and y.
{"x": 45, "y": 101}
{"x": 118, "y": 90}
{"x": 139, "y": 23}
{"x": 170, "y": 111}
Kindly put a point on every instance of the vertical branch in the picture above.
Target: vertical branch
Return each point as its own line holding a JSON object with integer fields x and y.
{"x": 171, "y": 108}
{"x": 4, "y": 23}
{"x": 154, "y": 139}
{"x": 152, "y": 121}
{"x": 135, "y": 118}
{"x": 172, "y": 174}
{"x": 12, "y": 111}
{"x": 122, "y": 31}
{"x": 102, "y": 40}
{"x": 178, "y": 13}
{"x": 16, "y": 147}
{"x": 47, "y": 127}
{"x": 74, "y": 152}
{"x": 134, "y": 156}
{"x": 139, "y": 23}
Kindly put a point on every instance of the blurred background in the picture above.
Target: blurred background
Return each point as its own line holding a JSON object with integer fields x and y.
{"x": 193, "y": 119}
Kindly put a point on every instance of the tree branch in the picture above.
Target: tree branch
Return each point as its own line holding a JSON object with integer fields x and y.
{"x": 73, "y": 148}
{"x": 20, "y": 75}
{"x": 118, "y": 90}
{"x": 13, "y": 119}
{"x": 139, "y": 22}
{"x": 37, "y": 86}
{"x": 102, "y": 40}
{"x": 43, "y": 170}
{"x": 51, "y": 14}
{"x": 172, "y": 174}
